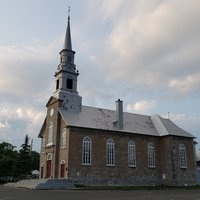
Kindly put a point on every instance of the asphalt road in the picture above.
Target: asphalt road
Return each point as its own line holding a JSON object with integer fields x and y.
{"x": 7, "y": 193}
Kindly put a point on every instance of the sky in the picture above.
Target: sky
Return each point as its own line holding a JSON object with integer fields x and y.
{"x": 144, "y": 52}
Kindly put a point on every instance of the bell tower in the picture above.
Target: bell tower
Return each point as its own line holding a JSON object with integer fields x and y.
{"x": 66, "y": 76}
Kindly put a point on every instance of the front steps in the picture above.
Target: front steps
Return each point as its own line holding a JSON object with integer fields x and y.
{"x": 43, "y": 184}
{"x": 55, "y": 184}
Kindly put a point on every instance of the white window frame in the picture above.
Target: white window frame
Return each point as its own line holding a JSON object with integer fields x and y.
{"x": 50, "y": 134}
{"x": 43, "y": 142}
{"x": 87, "y": 151}
{"x": 151, "y": 156}
{"x": 49, "y": 156}
{"x": 64, "y": 138}
{"x": 182, "y": 156}
{"x": 131, "y": 154}
{"x": 110, "y": 153}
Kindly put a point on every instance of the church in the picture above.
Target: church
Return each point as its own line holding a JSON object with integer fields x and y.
{"x": 97, "y": 146}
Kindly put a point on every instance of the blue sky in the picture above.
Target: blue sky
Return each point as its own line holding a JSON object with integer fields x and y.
{"x": 143, "y": 52}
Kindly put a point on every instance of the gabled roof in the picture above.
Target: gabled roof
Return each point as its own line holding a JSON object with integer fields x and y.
{"x": 40, "y": 135}
{"x": 97, "y": 118}
{"x": 167, "y": 127}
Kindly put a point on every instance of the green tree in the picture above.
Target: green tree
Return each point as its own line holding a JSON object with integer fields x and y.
{"x": 8, "y": 157}
{"x": 35, "y": 160}
{"x": 24, "y": 160}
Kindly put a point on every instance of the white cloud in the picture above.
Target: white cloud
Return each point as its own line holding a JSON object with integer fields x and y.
{"x": 151, "y": 45}
{"x": 26, "y": 71}
{"x": 187, "y": 84}
{"x": 20, "y": 120}
{"x": 141, "y": 106}
{"x": 3, "y": 124}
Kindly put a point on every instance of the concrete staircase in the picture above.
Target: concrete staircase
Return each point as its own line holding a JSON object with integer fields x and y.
{"x": 55, "y": 184}
{"x": 43, "y": 184}
{"x": 30, "y": 184}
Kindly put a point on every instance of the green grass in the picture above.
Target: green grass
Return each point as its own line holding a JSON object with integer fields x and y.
{"x": 132, "y": 187}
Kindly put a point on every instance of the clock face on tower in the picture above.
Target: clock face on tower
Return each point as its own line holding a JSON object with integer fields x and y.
{"x": 51, "y": 112}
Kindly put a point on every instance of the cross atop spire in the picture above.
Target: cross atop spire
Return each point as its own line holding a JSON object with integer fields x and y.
{"x": 67, "y": 42}
{"x": 69, "y": 13}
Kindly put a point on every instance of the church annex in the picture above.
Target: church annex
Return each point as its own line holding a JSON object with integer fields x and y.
{"x": 92, "y": 145}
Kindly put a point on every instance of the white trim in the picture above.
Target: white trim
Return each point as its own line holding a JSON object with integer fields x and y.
{"x": 110, "y": 153}
{"x": 182, "y": 156}
{"x": 151, "y": 155}
{"x": 86, "y": 151}
{"x": 62, "y": 162}
{"x": 64, "y": 138}
{"x": 131, "y": 154}
{"x": 50, "y": 134}
{"x": 49, "y": 156}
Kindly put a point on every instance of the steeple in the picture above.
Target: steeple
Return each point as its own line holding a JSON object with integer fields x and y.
{"x": 66, "y": 75}
{"x": 68, "y": 42}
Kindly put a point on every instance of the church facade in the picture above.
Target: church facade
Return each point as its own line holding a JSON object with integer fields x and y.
{"x": 99, "y": 146}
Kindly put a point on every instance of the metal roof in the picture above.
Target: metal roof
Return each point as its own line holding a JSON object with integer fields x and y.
{"x": 68, "y": 42}
{"x": 103, "y": 119}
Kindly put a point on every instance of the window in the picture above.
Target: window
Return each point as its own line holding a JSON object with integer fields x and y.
{"x": 69, "y": 83}
{"x": 50, "y": 135}
{"x": 86, "y": 153}
{"x": 57, "y": 84}
{"x": 69, "y": 59}
{"x": 49, "y": 156}
{"x": 182, "y": 156}
{"x": 151, "y": 155}
{"x": 43, "y": 142}
{"x": 110, "y": 153}
{"x": 64, "y": 138}
{"x": 131, "y": 154}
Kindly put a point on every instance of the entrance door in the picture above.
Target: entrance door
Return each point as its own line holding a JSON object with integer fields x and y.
{"x": 62, "y": 171}
{"x": 48, "y": 174}
{"x": 42, "y": 172}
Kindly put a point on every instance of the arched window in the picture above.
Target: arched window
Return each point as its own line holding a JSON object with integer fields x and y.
{"x": 49, "y": 156}
{"x": 43, "y": 142}
{"x": 182, "y": 156}
{"x": 151, "y": 155}
{"x": 50, "y": 135}
{"x": 87, "y": 150}
{"x": 131, "y": 154}
{"x": 110, "y": 153}
{"x": 64, "y": 138}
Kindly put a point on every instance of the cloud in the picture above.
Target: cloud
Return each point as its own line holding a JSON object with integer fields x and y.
{"x": 3, "y": 124}
{"x": 21, "y": 117}
{"x": 141, "y": 106}
{"x": 151, "y": 46}
{"x": 186, "y": 85}
{"x": 26, "y": 70}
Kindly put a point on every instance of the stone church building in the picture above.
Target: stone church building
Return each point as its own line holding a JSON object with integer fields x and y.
{"x": 90, "y": 145}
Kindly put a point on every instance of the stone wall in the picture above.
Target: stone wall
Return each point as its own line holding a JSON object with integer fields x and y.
{"x": 121, "y": 173}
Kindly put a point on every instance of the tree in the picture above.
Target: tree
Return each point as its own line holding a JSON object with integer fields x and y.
{"x": 24, "y": 160}
{"x": 8, "y": 157}
{"x": 35, "y": 160}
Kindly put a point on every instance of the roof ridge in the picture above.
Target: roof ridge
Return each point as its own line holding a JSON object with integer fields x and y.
{"x": 156, "y": 119}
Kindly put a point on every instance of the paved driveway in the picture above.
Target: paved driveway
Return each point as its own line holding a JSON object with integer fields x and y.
{"x": 172, "y": 194}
